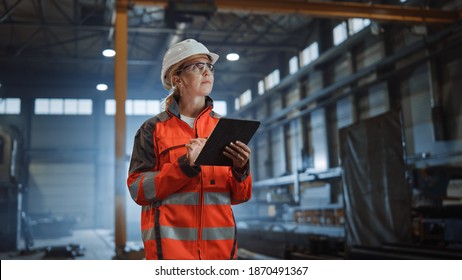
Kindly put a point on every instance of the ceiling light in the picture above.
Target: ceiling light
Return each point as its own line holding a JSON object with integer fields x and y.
{"x": 101, "y": 87}
{"x": 232, "y": 56}
{"x": 109, "y": 53}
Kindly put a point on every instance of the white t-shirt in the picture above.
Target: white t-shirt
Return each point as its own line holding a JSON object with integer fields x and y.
{"x": 188, "y": 120}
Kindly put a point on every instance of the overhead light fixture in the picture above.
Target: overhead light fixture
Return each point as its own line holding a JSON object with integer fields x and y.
{"x": 109, "y": 53}
{"x": 101, "y": 87}
{"x": 232, "y": 56}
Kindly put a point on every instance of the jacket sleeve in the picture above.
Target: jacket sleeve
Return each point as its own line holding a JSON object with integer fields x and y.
{"x": 240, "y": 183}
{"x": 145, "y": 181}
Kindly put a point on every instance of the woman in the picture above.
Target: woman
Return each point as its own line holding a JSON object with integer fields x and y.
{"x": 186, "y": 209}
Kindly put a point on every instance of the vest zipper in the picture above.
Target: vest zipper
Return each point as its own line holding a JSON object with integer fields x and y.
{"x": 201, "y": 222}
{"x": 201, "y": 197}
{"x": 201, "y": 206}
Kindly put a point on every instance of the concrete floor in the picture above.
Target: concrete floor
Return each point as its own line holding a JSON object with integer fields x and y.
{"x": 91, "y": 244}
{"x": 88, "y": 244}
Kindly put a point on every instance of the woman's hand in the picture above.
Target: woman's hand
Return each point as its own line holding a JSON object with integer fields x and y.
{"x": 194, "y": 148}
{"x": 238, "y": 152}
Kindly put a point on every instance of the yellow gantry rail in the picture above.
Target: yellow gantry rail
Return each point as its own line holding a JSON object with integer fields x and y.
{"x": 378, "y": 12}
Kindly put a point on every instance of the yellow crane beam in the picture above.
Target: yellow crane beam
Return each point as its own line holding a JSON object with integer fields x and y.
{"x": 378, "y": 12}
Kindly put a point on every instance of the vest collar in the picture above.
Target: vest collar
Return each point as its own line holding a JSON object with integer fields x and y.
{"x": 174, "y": 108}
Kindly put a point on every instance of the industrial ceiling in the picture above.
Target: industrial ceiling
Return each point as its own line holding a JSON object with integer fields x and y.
{"x": 58, "y": 44}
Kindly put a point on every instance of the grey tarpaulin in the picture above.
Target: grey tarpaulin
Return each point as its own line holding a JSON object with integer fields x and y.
{"x": 376, "y": 195}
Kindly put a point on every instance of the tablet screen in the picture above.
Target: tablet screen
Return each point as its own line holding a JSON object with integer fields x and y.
{"x": 226, "y": 131}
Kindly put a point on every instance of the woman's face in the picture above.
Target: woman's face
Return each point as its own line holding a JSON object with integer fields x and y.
{"x": 196, "y": 77}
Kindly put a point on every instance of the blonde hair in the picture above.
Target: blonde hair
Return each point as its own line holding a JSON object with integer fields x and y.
{"x": 171, "y": 85}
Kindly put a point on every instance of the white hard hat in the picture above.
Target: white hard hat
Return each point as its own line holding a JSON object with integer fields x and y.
{"x": 180, "y": 51}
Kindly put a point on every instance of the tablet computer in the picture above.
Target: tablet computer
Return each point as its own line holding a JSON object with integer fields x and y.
{"x": 226, "y": 131}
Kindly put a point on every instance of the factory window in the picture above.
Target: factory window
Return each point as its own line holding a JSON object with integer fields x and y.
{"x": 357, "y": 24}
{"x": 340, "y": 33}
{"x": 237, "y": 104}
{"x": 85, "y": 107}
{"x": 10, "y": 106}
{"x": 245, "y": 98}
{"x": 261, "y": 87}
{"x": 136, "y": 107}
{"x": 71, "y": 106}
{"x": 220, "y": 107}
{"x": 272, "y": 79}
{"x": 293, "y": 65}
{"x": 309, "y": 54}
{"x": 59, "y": 106}
{"x": 142, "y": 107}
{"x": 110, "y": 107}
{"x": 56, "y": 107}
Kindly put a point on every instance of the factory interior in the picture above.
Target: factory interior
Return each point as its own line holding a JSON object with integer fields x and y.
{"x": 358, "y": 154}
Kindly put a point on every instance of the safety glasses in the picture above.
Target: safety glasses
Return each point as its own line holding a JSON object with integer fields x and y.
{"x": 198, "y": 67}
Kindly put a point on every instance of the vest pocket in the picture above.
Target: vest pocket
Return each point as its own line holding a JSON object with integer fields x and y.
{"x": 214, "y": 178}
{"x": 170, "y": 148}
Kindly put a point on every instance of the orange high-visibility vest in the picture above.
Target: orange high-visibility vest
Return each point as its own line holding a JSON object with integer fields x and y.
{"x": 186, "y": 211}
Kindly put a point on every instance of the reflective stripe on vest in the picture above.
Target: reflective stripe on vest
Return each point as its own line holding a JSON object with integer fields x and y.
{"x": 217, "y": 198}
{"x": 179, "y": 233}
{"x": 190, "y": 234}
{"x": 148, "y": 184}
{"x": 187, "y": 198}
{"x": 176, "y": 233}
{"x": 218, "y": 233}
{"x": 192, "y": 198}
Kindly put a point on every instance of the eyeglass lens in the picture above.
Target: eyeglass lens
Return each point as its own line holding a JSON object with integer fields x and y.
{"x": 199, "y": 67}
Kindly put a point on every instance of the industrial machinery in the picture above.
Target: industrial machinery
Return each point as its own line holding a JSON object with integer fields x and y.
{"x": 10, "y": 190}
{"x": 373, "y": 206}
{"x": 437, "y": 205}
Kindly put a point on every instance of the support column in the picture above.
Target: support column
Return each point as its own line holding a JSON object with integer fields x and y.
{"x": 120, "y": 81}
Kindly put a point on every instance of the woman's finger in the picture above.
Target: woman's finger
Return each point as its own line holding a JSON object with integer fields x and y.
{"x": 242, "y": 146}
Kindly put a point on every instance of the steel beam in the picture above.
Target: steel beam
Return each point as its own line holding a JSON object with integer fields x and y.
{"x": 10, "y": 11}
{"x": 131, "y": 29}
{"x": 379, "y": 12}
{"x": 120, "y": 80}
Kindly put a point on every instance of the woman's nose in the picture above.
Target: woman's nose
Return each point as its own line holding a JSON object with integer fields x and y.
{"x": 206, "y": 71}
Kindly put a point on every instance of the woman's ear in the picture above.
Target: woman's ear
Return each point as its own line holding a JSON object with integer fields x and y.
{"x": 176, "y": 80}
